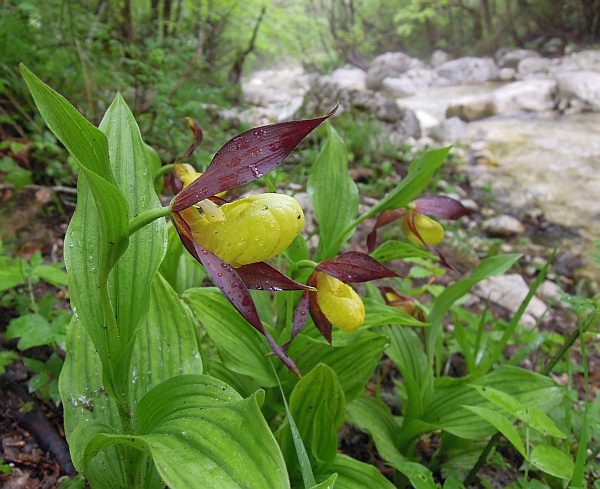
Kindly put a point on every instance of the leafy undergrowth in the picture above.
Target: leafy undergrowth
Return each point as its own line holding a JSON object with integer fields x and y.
{"x": 33, "y": 448}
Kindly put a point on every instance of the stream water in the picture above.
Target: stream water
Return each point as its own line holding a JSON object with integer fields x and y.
{"x": 548, "y": 160}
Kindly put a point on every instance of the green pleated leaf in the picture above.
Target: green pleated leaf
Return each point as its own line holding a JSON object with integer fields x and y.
{"x": 318, "y": 407}
{"x": 89, "y": 146}
{"x": 166, "y": 345}
{"x": 372, "y": 416}
{"x": 201, "y": 433}
{"x": 241, "y": 347}
{"x": 133, "y": 170}
{"x": 353, "y": 474}
{"x": 353, "y": 357}
{"x": 88, "y": 407}
{"x": 445, "y": 411}
{"x": 551, "y": 460}
{"x": 502, "y": 424}
{"x": 333, "y": 195}
{"x": 419, "y": 175}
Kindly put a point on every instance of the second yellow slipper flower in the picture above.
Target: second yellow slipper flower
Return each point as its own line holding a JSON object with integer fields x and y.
{"x": 340, "y": 303}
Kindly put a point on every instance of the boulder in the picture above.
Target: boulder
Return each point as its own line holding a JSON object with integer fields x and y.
{"x": 414, "y": 81}
{"x": 389, "y": 65}
{"x": 349, "y": 77}
{"x": 504, "y": 226}
{"x": 509, "y": 291}
{"x": 511, "y": 59}
{"x": 438, "y": 57}
{"x": 391, "y": 119}
{"x": 471, "y": 107}
{"x": 579, "y": 91}
{"x": 534, "y": 66}
{"x": 449, "y": 130}
{"x": 535, "y": 95}
{"x": 467, "y": 70}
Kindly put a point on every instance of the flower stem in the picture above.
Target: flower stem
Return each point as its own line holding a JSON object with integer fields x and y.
{"x": 143, "y": 219}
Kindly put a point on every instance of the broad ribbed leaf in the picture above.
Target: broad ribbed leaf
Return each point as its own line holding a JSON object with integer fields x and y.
{"x": 132, "y": 277}
{"x": 166, "y": 345}
{"x": 318, "y": 407}
{"x": 240, "y": 346}
{"x": 333, "y": 195}
{"x": 372, "y": 416}
{"x": 89, "y": 146}
{"x": 201, "y": 433}
{"x": 87, "y": 405}
{"x": 353, "y": 474}
{"x": 94, "y": 250}
{"x": 353, "y": 357}
{"x": 245, "y": 158}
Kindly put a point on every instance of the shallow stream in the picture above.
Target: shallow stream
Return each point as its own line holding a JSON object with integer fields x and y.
{"x": 548, "y": 160}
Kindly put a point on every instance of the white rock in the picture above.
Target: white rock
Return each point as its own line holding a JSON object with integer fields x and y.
{"x": 471, "y": 107}
{"x": 511, "y": 59}
{"x": 349, "y": 77}
{"x": 549, "y": 291}
{"x": 533, "y": 66}
{"x": 438, "y": 58}
{"x": 503, "y": 225}
{"x": 389, "y": 65}
{"x": 509, "y": 291}
{"x": 449, "y": 130}
{"x": 536, "y": 95}
{"x": 467, "y": 70}
{"x": 579, "y": 91}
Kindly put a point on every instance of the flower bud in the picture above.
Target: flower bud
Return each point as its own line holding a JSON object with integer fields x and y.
{"x": 430, "y": 231}
{"x": 253, "y": 229}
{"x": 340, "y": 303}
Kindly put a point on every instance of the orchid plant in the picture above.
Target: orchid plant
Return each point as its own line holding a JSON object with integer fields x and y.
{"x": 171, "y": 383}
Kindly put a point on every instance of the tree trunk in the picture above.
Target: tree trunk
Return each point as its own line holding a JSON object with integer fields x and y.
{"x": 126, "y": 23}
{"x": 235, "y": 73}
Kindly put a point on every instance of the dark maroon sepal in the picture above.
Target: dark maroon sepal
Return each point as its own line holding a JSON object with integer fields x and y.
{"x": 262, "y": 276}
{"x": 321, "y": 322}
{"x": 197, "y": 131}
{"x": 231, "y": 284}
{"x": 355, "y": 266}
{"x": 440, "y": 206}
{"x": 300, "y": 317}
{"x": 246, "y": 157}
{"x": 384, "y": 218}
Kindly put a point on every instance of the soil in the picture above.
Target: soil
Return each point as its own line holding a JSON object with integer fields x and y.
{"x": 33, "y": 447}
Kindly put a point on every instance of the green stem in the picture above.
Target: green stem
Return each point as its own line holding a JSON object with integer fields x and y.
{"x": 163, "y": 169}
{"x": 306, "y": 264}
{"x": 143, "y": 219}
